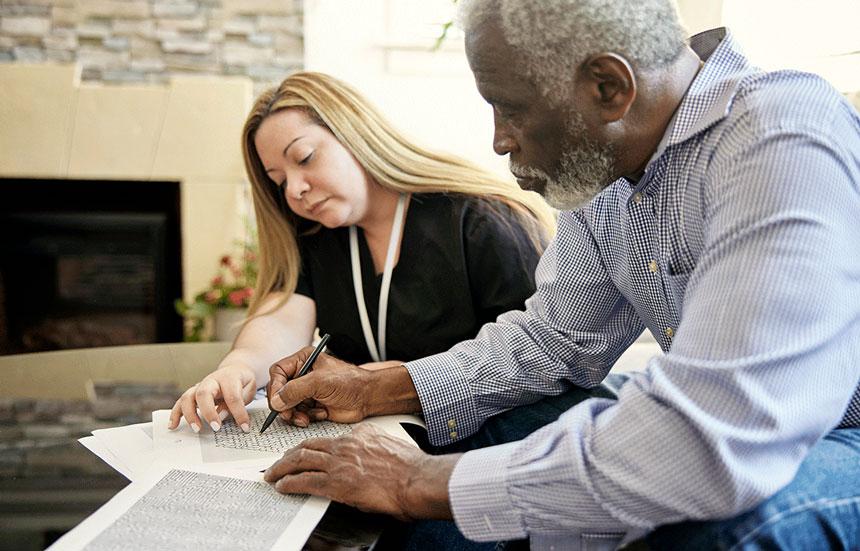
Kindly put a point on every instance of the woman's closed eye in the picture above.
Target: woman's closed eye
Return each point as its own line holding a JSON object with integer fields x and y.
{"x": 306, "y": 159}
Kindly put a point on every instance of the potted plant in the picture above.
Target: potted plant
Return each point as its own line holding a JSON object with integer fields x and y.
{"x": 216, "y": 312}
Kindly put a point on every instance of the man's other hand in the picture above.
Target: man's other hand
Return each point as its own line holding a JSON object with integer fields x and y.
{"x": 369, "y": 470}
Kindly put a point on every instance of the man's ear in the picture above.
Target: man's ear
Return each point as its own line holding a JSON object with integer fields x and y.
{"x": 611, "y": 85}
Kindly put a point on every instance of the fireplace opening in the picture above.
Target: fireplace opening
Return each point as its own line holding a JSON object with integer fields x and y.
{"x": 88, "y": 263}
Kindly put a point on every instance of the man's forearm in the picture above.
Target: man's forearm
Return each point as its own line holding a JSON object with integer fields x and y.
{"x": 426, "y": 489}
{"x": 391, "y": 391}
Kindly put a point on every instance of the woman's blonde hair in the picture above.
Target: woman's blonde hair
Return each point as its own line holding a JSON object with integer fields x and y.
{"x": 388, "y": 157}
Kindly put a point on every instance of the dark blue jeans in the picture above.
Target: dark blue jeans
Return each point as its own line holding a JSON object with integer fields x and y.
{"x": 818, "y": 510}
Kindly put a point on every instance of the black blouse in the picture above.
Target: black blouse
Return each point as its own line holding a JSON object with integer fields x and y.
{"x": 463, "y": 261}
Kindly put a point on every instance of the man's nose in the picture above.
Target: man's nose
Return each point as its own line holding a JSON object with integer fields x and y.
{"x": 503, "y": 142}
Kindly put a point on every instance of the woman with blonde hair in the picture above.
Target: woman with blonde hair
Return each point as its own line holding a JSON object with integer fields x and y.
{"x": 358, "y": 225}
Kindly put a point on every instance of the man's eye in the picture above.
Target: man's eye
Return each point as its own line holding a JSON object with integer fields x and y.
{"x": 505, "y": 111}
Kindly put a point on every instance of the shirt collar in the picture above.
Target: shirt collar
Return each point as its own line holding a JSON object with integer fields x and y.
{"x": 710, "y": 95}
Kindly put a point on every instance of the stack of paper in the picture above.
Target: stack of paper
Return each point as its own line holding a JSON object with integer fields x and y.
{"x": 204, "y": 490}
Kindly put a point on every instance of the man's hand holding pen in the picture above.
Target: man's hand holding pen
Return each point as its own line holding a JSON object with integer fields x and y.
{"x": 367, "y": 468}
{"x": 331, "y": 391}
{"x": 337, "y": 391}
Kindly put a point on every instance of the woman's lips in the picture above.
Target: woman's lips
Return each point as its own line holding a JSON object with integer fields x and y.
{"x": 313, "y": 209}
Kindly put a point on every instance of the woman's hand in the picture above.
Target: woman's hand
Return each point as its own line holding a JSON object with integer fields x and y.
{"x": 225, "y": 390}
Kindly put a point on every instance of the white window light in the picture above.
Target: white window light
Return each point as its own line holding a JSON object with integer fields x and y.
{"x": 822, "y": 37}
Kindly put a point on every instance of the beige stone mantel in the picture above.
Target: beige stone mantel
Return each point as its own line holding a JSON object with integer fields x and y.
{"x": 53, "y": 126}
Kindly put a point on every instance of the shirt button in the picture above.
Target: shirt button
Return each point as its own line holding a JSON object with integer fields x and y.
{"x": 637, "y": 197}
{"x": 653, "y": 267}
{"x": 669, "y": 332}
{"x": 452, "y": 423}
{"x": 453, "y": 435}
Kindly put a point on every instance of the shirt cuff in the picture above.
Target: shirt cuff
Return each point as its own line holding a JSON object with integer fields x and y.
{"x": 478, "y": 491}
{"x": 446, "y": 401}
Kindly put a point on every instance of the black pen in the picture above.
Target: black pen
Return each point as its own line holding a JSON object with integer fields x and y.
{"x": 305, "y": 368}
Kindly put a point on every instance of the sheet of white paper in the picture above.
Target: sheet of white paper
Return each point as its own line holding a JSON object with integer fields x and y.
{"x": 237, "y": 449}
{"x": 132, "y": 444}
{"x": 94, "y": 445}
{"x": 231, "y": 445}
{"x": 392, "y": 424}
{"x": 201, "y": 508}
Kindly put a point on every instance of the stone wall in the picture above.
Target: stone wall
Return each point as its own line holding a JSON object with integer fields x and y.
{"x": 150, "y": 40}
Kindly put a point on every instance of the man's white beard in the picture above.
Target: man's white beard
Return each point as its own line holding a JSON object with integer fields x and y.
{"x": 584, "y": 171}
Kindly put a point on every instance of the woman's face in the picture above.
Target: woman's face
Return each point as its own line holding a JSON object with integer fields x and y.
{"x": 320, "y": 178}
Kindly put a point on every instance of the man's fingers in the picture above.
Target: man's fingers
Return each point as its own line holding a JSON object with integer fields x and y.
{"x": 293, "y": 393}
{"x": 301, "y": 419}
{"x": 326, "y": 445}
{"x": 313, "y": 483}
{"x": 317, "y": 414}
{"x": 298, "y": 460}
{"x": 285, "y": 369}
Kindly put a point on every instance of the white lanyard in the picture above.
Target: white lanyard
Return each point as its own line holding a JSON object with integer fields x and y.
{"x": 378, "y": 355}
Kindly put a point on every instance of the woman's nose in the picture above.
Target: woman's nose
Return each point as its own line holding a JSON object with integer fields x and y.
{"x": 296, "y": 188}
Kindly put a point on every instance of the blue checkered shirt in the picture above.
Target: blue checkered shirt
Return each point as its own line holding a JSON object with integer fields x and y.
{"x": 739, "y": 248}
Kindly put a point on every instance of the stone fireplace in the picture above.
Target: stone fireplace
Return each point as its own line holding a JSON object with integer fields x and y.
{"x": 62, "y": 140}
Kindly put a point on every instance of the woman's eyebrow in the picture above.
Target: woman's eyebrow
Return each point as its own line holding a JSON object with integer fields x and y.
{"x": 284, "y": 153}
{"x": 297, "y": 138}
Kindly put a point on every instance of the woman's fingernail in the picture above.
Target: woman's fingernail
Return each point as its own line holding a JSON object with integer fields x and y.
{"x": 246, "y": 427}
{"x": 195, "y": 427}
{"x": 215, "y": 425}
{"x": 223, "y": 414}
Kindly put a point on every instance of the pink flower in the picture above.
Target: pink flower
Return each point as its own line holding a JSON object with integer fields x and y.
{"x": 237, "y": 297}
{"x": 217, "y": 281}
{"x": 212, "y": 297}
{"x": 250, "y": 256}
{"x": 225, "y": 260}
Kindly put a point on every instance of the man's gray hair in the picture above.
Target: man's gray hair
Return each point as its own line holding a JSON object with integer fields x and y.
{"x": 557, "y": 36}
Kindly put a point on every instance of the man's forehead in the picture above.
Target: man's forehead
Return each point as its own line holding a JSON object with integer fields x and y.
{"x": 485, "y": 42}
{"x": 497, "y": 65}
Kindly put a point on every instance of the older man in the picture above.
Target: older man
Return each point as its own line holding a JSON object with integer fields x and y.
{"x": 722, "y": 214}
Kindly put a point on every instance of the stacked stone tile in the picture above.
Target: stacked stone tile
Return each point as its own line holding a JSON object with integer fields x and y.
{"x": 39, "y": 437}
{"x": 150, "y": 40}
